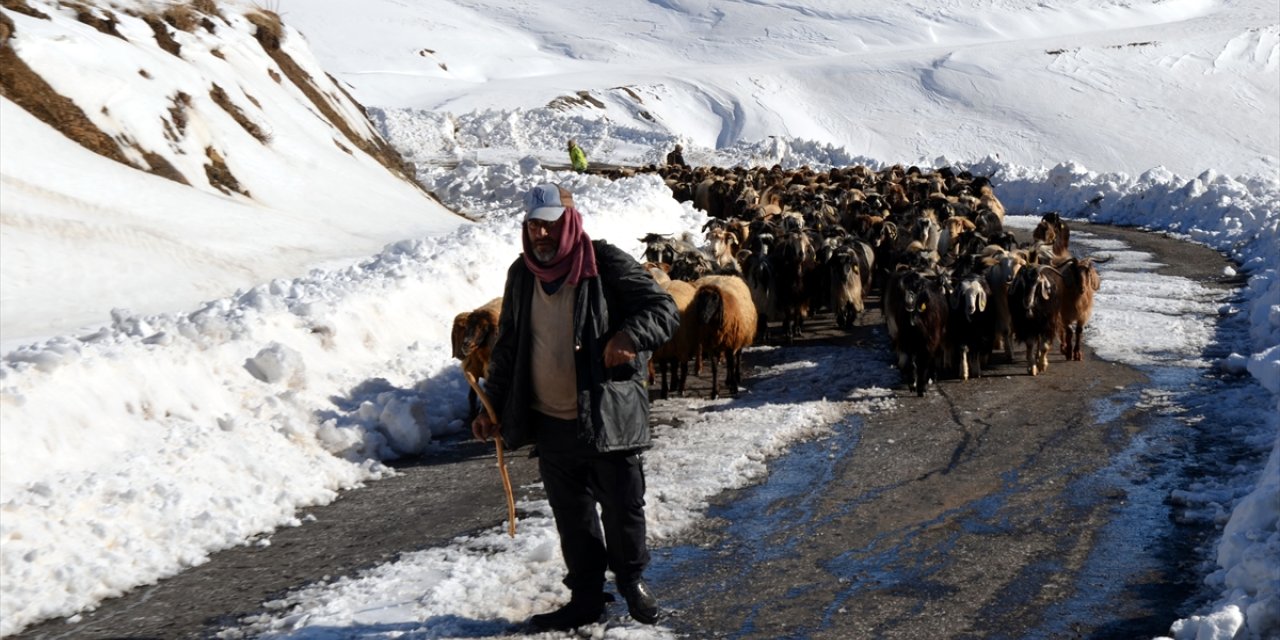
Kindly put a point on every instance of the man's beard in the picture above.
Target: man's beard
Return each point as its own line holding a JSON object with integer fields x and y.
{"x": 544, "y": 256}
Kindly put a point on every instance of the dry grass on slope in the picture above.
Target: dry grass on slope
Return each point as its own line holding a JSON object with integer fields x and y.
{"x": 25, "y": 88}
{"x": 220, "y": 97}
{"x": 270, "y": 33}
{"x": 23, "y": 85}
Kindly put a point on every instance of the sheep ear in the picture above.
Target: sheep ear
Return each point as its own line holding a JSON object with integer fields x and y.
{"x": 1046, "y": 288}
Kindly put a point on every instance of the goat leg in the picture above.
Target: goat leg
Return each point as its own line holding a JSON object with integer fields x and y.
{"x": 922, "y": 376}
{"x": 715, "y": 382}
{"x": 733, "y": 363}
{"x": 473, "y": 405}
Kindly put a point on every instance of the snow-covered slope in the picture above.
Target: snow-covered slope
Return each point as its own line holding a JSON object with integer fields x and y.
{"x": 223, "y": 156}
{"x": 1116, "y": 86}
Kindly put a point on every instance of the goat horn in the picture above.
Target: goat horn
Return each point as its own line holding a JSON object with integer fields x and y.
{"x": 502, "y": 463}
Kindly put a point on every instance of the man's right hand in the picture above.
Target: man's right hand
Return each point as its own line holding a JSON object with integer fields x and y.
{"x": 483, "y": 428}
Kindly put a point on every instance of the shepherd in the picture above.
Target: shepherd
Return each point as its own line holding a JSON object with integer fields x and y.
{"x": 567, "y": 375}
{"x": 577, "y": 157}
{"x": 676, "y": 157}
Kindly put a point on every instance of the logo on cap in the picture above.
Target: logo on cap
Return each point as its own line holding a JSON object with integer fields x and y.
{"x": 544, "y": 202}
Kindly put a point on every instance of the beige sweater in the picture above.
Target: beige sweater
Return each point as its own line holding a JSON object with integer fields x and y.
{"x": 554, "y": 375}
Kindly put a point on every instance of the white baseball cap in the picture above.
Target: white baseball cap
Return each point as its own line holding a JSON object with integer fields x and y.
{"x": 546, "y": 202}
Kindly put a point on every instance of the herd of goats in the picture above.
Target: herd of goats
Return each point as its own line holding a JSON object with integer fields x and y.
{"x": 780, "y": 245}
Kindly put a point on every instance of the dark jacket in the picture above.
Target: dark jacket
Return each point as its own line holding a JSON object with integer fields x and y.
{"x": 613, "y": 403}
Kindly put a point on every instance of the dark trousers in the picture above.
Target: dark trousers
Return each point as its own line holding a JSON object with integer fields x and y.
{"x": 576, "y": 479}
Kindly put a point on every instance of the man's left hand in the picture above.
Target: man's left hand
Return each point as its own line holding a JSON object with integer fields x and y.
{"x": 619, "y": 350}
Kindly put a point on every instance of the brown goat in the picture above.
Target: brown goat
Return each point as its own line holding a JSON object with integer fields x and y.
{"x": 1001, "y": 268}
{"x": 1052, "y": 230}
{"x": 725, "y": 324}
{"x": 1079, "y": 281}
{"x": 459, "y": 334}
{"x": 1035, "y": 303}
{"x": 479, "y": 333}
{"x": 988, "y": 200}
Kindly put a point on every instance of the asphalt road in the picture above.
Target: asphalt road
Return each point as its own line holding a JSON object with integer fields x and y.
{"x": 1009, "y": 506}
{"x": 992, "y": 508}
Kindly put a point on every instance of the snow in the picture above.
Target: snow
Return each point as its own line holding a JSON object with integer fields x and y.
{"x": 172, "y": 353}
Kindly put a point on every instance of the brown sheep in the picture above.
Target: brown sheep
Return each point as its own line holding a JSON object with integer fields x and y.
{"x": 725, "y": 324}
{"x": 674, "y": 355}
{"x": 658, "y": 272}
{"x": 1080, "y": 280}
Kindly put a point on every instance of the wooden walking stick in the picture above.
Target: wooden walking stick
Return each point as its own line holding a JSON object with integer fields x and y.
{"x": 502, "y": 463}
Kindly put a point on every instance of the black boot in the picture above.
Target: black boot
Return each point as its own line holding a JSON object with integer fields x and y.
{"x": 583, "y": 608}
{"x": 641, "y": 602}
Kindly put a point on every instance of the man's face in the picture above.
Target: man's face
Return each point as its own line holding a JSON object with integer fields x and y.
{"x": 545, "y": 238}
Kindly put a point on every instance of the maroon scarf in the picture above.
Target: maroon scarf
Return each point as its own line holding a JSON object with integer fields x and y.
{"x": 575, "y": 258}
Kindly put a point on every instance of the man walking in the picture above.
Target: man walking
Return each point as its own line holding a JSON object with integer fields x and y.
{"x": 577, "y": 157}
{"x": 579, "y": 319}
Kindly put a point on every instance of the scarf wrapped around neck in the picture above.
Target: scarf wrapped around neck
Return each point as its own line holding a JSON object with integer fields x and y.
{"x": 574, "y": 260}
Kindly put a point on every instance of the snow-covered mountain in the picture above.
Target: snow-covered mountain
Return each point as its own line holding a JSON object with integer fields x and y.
{"x": 165, "y": 154}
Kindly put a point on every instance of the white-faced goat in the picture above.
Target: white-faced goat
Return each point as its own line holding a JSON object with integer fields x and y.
{"x": 972, "y": 325}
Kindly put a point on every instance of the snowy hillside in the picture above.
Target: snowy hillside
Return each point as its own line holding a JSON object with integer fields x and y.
{"x": 185, "y": 151}
{"x": 1117, "y": 86}
{"x": 234, "y": 306}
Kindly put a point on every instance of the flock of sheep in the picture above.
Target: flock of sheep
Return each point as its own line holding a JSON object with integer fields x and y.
{"x": 954, "y": 285}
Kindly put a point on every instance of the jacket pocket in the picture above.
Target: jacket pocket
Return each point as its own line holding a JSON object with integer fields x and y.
{"x": 624, "y": 413}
